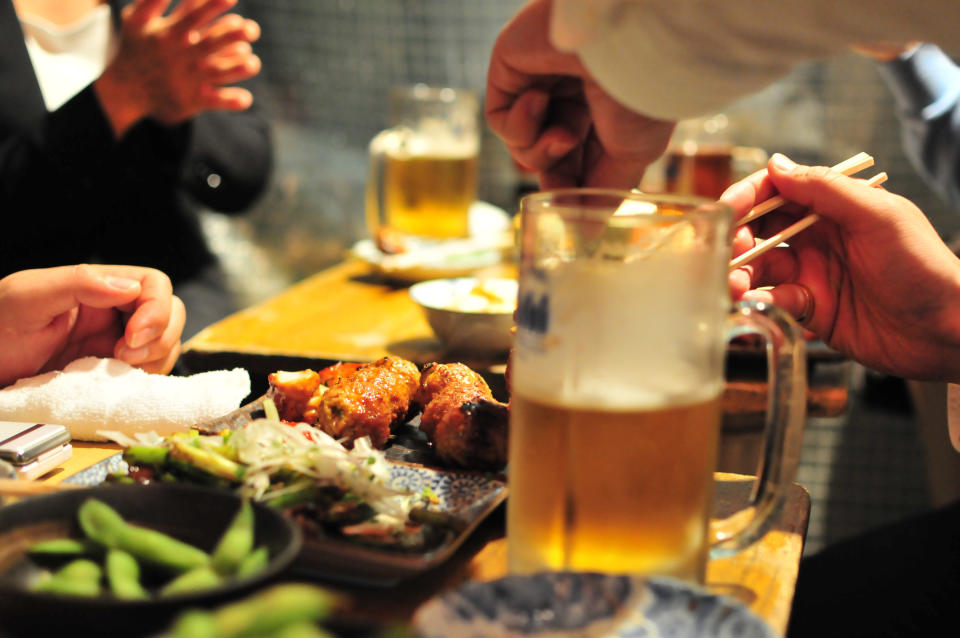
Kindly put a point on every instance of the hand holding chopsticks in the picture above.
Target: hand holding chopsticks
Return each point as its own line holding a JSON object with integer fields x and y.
{"x": 848, "y": 167}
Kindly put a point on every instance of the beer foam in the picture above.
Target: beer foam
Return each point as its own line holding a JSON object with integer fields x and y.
{"x": 435, "y": 139}
{"x": 631, "y": 334}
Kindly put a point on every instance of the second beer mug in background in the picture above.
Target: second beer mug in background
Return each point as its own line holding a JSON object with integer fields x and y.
{"x": 423, "y": 169}
{"x": 616, "y": 380}
{"x": 699, "y": 160}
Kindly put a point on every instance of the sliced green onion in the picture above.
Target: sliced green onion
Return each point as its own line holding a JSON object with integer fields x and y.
{"x": 270, "y": 409}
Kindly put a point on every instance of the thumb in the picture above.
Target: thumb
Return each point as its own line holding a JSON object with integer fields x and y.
{"x": 848, "y": 202}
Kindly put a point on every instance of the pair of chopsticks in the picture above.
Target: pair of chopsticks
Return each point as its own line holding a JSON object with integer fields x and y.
{"x": 849, "y": 166}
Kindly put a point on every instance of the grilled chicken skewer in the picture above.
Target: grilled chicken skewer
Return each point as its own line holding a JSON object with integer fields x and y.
{"x": 467, "y": 426}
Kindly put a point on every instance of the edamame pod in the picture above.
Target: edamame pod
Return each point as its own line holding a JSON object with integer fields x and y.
{"x": 302, "y": 630}
{"x": 236, "y": 542}
{"x": 191, "y": 581}
{"x": 62, "y": 547}
{"x": 196, "y": 623}
{"x": 253, "y": 563}
{"x": 123, "y": 575}
{"x": 276, "y": 607}
{"x": 104, "y": 525}
{"x": 80, "y": 577}
{"x": 100, "y": 522}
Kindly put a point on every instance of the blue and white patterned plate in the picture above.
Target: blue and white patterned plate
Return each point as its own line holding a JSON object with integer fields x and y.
{"x": 565, "y": 605}
{"x": 469, "y": 496}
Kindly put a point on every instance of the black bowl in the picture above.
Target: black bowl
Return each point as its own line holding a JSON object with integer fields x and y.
{"x": 192, "y": 514}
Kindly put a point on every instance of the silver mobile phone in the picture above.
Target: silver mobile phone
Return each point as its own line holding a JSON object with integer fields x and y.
{"x": 23, "y": 443}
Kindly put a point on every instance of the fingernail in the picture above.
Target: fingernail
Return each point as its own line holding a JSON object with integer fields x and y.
{"x": 121, "y": 283}
{"x": 143, "y": 337}
{"x": 133, "y": 355}
{"x": 782, "y": 162}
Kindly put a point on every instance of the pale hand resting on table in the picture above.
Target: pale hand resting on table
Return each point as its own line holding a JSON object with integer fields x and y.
{"x": 885, "y": 288}
{"x": 51, "y": 316}
{"x": 556, "y": 120}
{"x": 172, "y": 67}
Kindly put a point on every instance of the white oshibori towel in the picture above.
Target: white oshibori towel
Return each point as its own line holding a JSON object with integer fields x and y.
{"x": 93, "y": 394}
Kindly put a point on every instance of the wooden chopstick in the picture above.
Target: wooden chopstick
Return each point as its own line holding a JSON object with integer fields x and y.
{"x": 790, "y": 231}
{"x": 848, "y": 166}
{"x": 14, "y": 487}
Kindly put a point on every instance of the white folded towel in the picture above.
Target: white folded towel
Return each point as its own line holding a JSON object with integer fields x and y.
{"x": 93, "y": 394}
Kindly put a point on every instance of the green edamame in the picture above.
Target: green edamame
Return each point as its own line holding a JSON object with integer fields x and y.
{"x": 104, "y": 525}
{"x": 62, "y": 547}
{"x": 236, "y": 542}
{"x": 80, "y": 577}
{"x": 123, "y": 575}
{"x": 253, "y": 563}
{"x": 194, "y": 580}
{"x": 276, "y": 607}
{"x": 195, "y": 623}
{"x": 100, "y": 522}
{"x": 302, "y": 630}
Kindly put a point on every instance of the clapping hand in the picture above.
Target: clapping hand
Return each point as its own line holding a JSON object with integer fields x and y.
{"x": 171, "y": 67}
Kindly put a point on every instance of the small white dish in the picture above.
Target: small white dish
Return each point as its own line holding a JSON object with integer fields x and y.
{"x": 436, "y": 259}
{"x": 469, "y": 314}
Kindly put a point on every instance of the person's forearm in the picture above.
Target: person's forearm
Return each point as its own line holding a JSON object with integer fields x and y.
{"x": 663, "y": 58}
{"x": 118, "y": 101}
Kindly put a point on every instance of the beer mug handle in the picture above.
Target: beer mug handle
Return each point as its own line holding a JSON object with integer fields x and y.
{"x": 783, "y": 431}
{"x": 374, "y": 205}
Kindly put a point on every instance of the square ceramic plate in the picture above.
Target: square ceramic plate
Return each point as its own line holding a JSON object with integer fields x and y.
{"x": 469, "y": 496}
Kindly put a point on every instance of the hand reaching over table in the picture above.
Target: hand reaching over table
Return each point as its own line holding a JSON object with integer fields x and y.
{"x": 554, "y": 117}
{"x": 872, "y": 278}
{"x": 50, "y": 317}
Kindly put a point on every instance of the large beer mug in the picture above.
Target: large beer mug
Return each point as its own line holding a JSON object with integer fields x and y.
{"x": 423, "y": 169}
{"x": 616, "y": 379}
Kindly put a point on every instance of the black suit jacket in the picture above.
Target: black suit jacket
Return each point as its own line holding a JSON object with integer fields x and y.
{"x": 71, "y": 193}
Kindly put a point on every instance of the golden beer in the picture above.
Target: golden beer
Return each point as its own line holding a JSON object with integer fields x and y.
{"x": 626, "y": 491}
{"x": 623, "y": 316}
{"x": 429, "y": 195}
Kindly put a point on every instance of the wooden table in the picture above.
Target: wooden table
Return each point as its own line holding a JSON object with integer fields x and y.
{"x": 763, "y": 576}
{"x": 347, "y": 314}
{"x": 344, "y": 313}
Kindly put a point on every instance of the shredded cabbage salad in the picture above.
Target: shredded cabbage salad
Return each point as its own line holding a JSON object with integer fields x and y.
{"x": 267, "y": 448}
